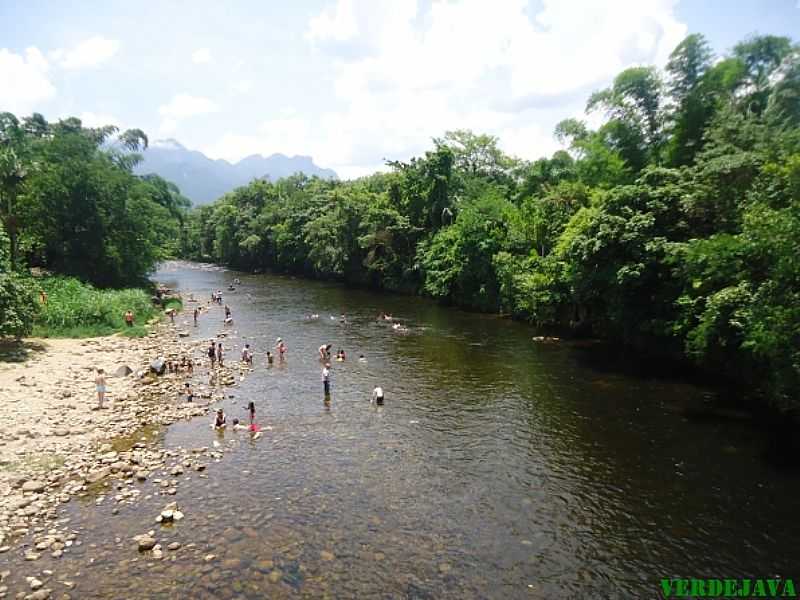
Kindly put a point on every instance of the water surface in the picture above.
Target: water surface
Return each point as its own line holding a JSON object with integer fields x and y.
{"x": 498, "y": 468}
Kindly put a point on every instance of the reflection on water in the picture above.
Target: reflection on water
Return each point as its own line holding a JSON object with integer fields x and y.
{"x": 498, "y": 468}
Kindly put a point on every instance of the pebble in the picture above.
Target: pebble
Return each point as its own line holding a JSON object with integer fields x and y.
{"x": 33, "y": 486}
{"x": 146, "y": 543}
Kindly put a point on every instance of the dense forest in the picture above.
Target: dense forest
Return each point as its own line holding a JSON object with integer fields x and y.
{"x": 70, "y": 205}
{"x": 674, "y": 226}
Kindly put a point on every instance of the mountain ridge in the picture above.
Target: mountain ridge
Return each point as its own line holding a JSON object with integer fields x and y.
{"x": 203, "y": 179}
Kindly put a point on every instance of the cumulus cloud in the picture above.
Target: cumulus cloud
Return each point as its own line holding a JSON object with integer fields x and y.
{"x": 92, "y": 119}
{"x": 201, "y": 56}
{"x": 476, "y": 64}
{"x": 406, "y": 71}
{"x": 25, "y": 83}
{"x": 183, "y": 106}
{"x": 89, "y": 53}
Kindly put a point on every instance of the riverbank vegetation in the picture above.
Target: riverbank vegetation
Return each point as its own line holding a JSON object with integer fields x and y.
{"x": 672, "y": 226}
{"x": 76, "y": 309}
{"x": 71, "y": 205}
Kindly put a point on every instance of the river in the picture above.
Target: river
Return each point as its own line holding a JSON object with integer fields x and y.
{"x": 497, "y": 468}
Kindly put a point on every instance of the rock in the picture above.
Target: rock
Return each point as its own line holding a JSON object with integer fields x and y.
{"x": 183, "y": 334}
{"x": 275, "y": 576}
{"x": 199, "y": 467}
{"x": 444, "y": 568}
{"x": 29, "y": 555}
{"x": 209, "y": 557}
{"x": 98, "y": 474}
{"x": 142, "y": 475}
{"x": 325, "y": 555}
{"x": 176, "y": 470}
{"x": 39, "y": 595}
{"x": 33, "y": 486}
{"x": 123, "y": 371}
{"x": 18, "y": 481}
{"x": 61, "y": 432}
{"x": 158, "y": 366}
{"x": 177, "y": 515}
{"x": 145, "y": 543}
{"x": 174, "y": 546}
{"x": 36, "y": 584}
{"x": 166, "y": 516}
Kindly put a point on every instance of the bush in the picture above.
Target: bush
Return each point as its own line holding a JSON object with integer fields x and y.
{"x": 76, "y": 309}
{"x": 17, "y": 306}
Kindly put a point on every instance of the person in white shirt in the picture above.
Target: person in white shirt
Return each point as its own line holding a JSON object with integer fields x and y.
{"x": 377, "y": 396}
{"x": 326, "y": 378}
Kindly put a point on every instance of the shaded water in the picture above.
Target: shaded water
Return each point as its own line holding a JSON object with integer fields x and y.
{"x": 498, "y": 468}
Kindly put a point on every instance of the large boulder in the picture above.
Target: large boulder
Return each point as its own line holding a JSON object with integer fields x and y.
{"x": 158, "y": 366}
{"x": 123, "y": 371}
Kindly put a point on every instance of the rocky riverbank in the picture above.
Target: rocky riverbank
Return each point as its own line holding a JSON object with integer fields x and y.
{"x": 56, "y": 445}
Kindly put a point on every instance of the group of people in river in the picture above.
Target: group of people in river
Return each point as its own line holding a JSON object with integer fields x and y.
{"x": 216, "y": 358}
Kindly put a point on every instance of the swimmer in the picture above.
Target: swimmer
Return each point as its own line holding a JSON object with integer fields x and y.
{"x": 325, "y": 351}
{"x": 340, "y": 356}
{"x": 362, "y": 358}
{"x": 238, "y": 426}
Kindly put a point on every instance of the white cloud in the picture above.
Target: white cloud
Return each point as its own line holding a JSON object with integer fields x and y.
{"x": 490, "y": 66}
{"x": 91, "y": 119}
{"x": 243, "y": 86}
{"x": 201, "y": 56}
{"x": 406, "y": 71}
{"x": 25, "y": 84}
{"x": 183, "y": 105}
{"x": 89, "y": 53}
{"x": 337, "y": 23}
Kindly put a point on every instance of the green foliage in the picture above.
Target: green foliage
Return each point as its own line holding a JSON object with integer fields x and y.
{"x": 76, "y": 309}
{"x": 17, "y": 305}
{"x": 70, "y": 202}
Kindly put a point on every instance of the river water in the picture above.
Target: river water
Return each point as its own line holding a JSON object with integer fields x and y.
{"x": 498, "y": 467}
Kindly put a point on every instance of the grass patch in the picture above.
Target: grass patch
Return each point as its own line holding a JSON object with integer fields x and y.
{"x": 76, "y": 309}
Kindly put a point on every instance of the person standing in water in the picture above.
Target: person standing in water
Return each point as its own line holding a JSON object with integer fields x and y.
{"x": 227, "y": 312}
{"x": 196, "y": 314}
{"x": 189, "y": 393}
{"x": 326, "y": 379}
{"x": 270, "y": 358}
{"x": 247, "y": 355}
{"x": 100, "y": 387}
{"x": 212, "y": 354}
{"x": 251, "y": 408}
{"x": 377, "y": 396}
{"x": 281, "y": 348}
{"x": 220, "y": 355}
{"x": 325, "y": 351}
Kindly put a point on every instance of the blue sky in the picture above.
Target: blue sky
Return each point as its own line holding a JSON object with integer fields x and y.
{"x": 349, "y": 82}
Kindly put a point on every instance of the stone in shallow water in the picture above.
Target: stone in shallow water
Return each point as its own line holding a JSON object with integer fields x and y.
{"x": 275, "y": 576}
{"x": 145, "y": 543}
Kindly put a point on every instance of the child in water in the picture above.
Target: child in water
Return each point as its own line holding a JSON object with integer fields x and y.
{"x": 270, "y": 358}
{"x": 340, "y": 355}
{"x": 219, "y": 422}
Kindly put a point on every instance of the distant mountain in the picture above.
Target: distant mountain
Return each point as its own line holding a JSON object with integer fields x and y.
{"x": 203, "y": 180}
